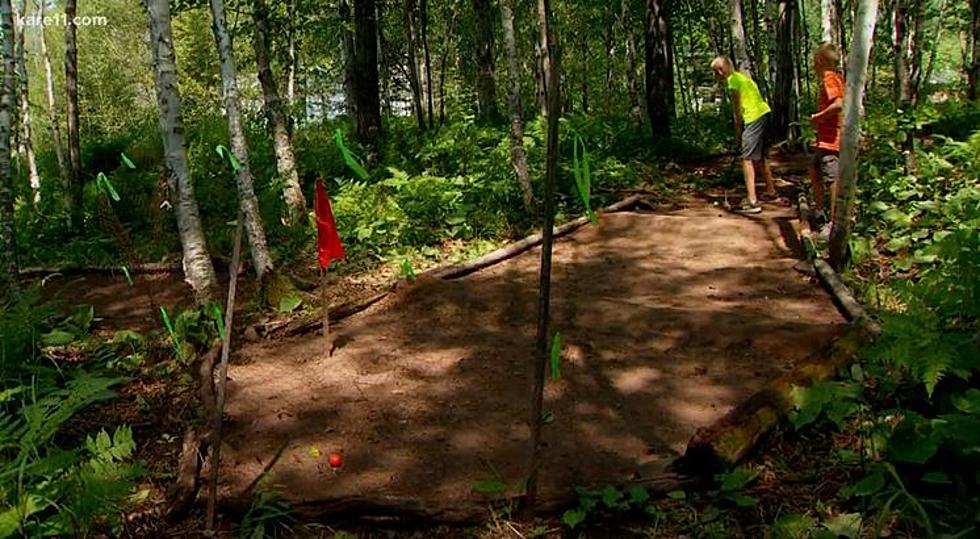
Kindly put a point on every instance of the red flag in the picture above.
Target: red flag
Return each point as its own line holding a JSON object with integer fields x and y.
{"x": 327, "y": 240}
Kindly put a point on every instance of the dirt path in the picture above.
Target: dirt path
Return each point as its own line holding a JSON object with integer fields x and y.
{"x": 669, "y": 319}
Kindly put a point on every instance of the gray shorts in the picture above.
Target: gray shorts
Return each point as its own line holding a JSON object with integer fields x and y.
{"x": 755, "y": 140}
{"x": 826, "y": 162}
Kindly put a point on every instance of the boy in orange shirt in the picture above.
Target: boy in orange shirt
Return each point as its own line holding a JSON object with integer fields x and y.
{"x": 824, "y": 169}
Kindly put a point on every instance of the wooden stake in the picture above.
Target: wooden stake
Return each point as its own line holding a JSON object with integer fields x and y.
{"x": 325, "y": 301}
{"x": 215, "y": 438}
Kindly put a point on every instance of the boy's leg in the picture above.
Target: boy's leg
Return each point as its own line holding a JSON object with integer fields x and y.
{"x": 748, "y": 172}
{"x": 762, "y": 166}
{"x": 816, "y": 181}
{"x": 833, "y": 200}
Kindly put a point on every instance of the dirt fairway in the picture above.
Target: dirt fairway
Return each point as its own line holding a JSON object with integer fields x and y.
{"x": 668, "y": 319}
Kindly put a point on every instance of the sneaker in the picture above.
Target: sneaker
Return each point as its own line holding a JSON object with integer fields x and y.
{"x": 770, "y": 196}
{"x": 749, "y": 207}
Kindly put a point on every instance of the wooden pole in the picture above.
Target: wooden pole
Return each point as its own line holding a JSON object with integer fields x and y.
{"x": 215, "y": 438}
{"x": 325, "y": 301}
{"x": 552, "y": 94}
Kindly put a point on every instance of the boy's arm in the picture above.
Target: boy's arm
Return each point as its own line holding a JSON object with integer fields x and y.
{"x": 835, "y": 105}
{"x": 737, "y": 113}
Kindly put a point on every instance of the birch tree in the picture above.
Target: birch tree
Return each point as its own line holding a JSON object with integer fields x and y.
{"x": 743, "y": 61}
{"x": 261, "y": 259}
{"x": 632, "y": 86}
{"x": 53, "y": 120}
{"x": 517, "y": 154}
{"x": 8, "y": 243}
{"x": 857, "y": 74}
{"x": 424, "y": 28}
{"x": 413, "y": 62}
{"x": 485, "y": 81}
{"x": 828, "y": 20}
{"x": 278, "y": 125}
{"x": 74, "y": 138}
{"x": 198, "y": 270}
{"x": 973, "y": 78}
{"x": 27, "y": 144}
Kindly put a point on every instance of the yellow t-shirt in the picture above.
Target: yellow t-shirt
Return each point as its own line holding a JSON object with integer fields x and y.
{"x": 753, "y": 106}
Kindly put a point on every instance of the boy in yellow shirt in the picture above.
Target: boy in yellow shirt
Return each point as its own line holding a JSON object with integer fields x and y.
{"x": 748, "y": 107}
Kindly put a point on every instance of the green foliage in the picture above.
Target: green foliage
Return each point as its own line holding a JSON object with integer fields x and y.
{"x": 607, "y": 500}
{"x": 268, "y": 516}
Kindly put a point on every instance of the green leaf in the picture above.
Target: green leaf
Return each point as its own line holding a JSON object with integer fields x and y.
{"x": 407, "y": 270}
{"x": 897, "y": 217}
{"x": 490, "y": 486}
{"x": 937, "y": 477}
{"x": 129, "y": 278}
{"x": 638, "y": 495}
{"x": 912, "y": 441}
{"x": 355, "y": 163}
{"x": 677, "y": 495}
{"x": 898, "y": 243}
{"x": 737, "y": 479}
{"x": 583, "y": 175}
{"x": 968, "y": 402}
{"x": 57, "y": 338}
{"x": 871, "y": 484}
{"x": 555, "y": 359}
{"x": 103, "y": 182}
{"x": 793, "y": 526}
{"x": 127, "y": 162}
{"x": 744, "y": 500}
{"x": 611, "y": 497}
{"x": 290, "y": 302}
{"x": 709, "y": 515}
{"x": 573, "y": 517}
{"x": 845, "y": 525}
{"x": 224, "y": 152}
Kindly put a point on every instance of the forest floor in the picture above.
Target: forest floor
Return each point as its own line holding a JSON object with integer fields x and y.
{"x": 668, "y": 318}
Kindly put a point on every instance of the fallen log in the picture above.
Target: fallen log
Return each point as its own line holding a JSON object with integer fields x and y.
{"x": 146, "y": 268}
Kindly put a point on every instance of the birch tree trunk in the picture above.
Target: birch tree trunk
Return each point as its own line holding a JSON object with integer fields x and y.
{"x": 9, "y": 274}
{"x": 25, "y": 111}
{"x": 903, "y": 81}
{"x": 828, "y": 20}
{"x": 632, "y": 87}
{"x": 739, "y": 42}
{"x": 485, "y": 83}
{"x": 973, "y": 78}
{"x": 659, "y": 73}
{"x": 281, "y": 141}
{"x": 424, "y": 23}
{"x": 367, "y": 104}
{"x": 75, "y": 190}
{"x": 293, "y": 58}
{"x": 553, "y": 92}
{"x": 517, "y": 154}
{"x": 261, "y": 258}
{"x": 56, "y": 141}
{"x": 413, "y": 63}
{"x": 198, "y": 270}
{"x": 857, "y": 74}
{"x": 444, "y": 60}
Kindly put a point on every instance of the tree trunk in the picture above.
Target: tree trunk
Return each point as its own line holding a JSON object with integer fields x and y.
{"x": 841, "y": 27}
{"x": 367, "y": 105}
{"x": 584, "y": 47}
{"x": 347, "y": 54}
{"x": 293, "y": 63}
{"x": 973, "y": 78}
{"x": 278, "y": 124}
{"x": 659, "y": 73}
{"x": 739, "y": 42}
{"x": 25, "y": 112}
{"x": 914, "y": 47}
{"x": 261, "y": 259}
{"x": 903, "y": 80}
{"x": 857, "y": 73}
{"x": 56, "y": 141}
{"x": 485, "y": 84}
{"x": 783, "y": 102}
{"x": 198, "y": 270}
{"x": 517, "y": 154}
{"x": 934, "y": 44}
{"x": 443, "y": 61}
{"x": 424, "y": 22}
{"x": 413, "y": 63}
{"x": 632, "y": 87}
{"x": 828, "y": 20}
{"x": 9, "y": 274}
{"x": 539, "y": 85}
{"x": 75, "y": 191}
{"x": 551, "y": 81}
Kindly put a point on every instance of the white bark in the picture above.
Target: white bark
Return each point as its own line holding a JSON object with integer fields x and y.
{"x": 261, "y": 258}
{"x": 8, "y": 244}
{"x": 25, "y": 112}
{"x": 198, "y": 270}
{"x": 857, "y": 74}
{"x": 828, "y": 20}
{"x": 56, "y": 140}
{"x": 740, "y": 44}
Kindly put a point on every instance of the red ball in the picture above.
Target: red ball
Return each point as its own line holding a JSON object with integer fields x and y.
{"x": 335, "y": 460}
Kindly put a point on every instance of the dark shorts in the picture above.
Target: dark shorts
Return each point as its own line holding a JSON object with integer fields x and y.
{"x": 827, "y": 163}
{"x": 755, "y": 139}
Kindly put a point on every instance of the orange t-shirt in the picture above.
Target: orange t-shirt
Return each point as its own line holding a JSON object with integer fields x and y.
{"x": 828, "y": 127}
